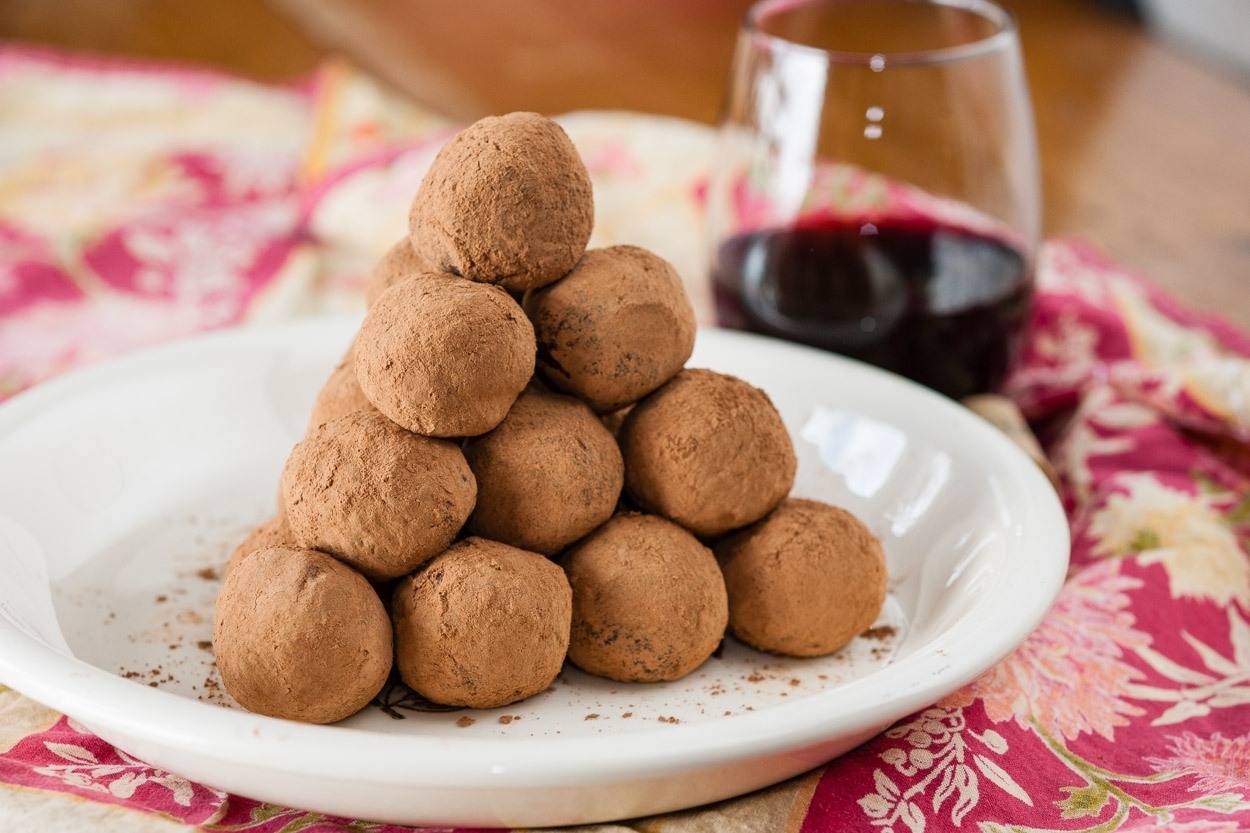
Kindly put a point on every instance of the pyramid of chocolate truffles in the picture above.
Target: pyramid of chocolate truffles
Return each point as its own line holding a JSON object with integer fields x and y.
{"x": 512, "y": 467}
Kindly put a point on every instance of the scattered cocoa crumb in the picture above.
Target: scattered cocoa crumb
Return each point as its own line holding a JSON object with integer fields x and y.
{"x": 204, "y": 645}
{"x": 795, "y": 681}
{"x": 664, "y": 719}
{"x": 822, "y": 676}
{"x": 727, "y": 713}
{"x": 880, "y": 633}
{"x": 755, "y": 678}
{"x": 162, "y": 598}
{"x": 505, "y": 719}
{"x": 465, "y": 721}
{"x": 152, "y": 684}
{"x": 208, "y": 574}
{"x": 131, "y": 675}
{"x": 627, "y": 714}
{"x": 592, "y": 716}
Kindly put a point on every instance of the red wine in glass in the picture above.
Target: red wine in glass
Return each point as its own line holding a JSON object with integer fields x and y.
{"x": 941, "y": 305}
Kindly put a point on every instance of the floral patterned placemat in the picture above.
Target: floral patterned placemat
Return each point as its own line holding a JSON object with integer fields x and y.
{"x": 140, "y": 204}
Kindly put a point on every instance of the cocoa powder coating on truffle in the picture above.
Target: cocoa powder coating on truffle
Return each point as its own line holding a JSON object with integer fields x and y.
{"x": 804, "y": 581}
{"x": 380, "y": 498}
{"x": 547, "y": 475}
{"x": 615, "y": 328}
{"x": 708, "y": 451}
{"x": 444, "y": 358}
{"x": 649, "y": 602}
{"x": 340, "y": 395}
{"x": 398, "y": 263}
{"x": 482, "y": 625}
{"x": 274, "y": 532}
{"x": 299, "y": 635}
{"x": 506, "y": 201}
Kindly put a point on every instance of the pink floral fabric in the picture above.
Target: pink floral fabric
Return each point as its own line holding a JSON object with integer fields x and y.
{"x": 154, "y": 203}
{"x": 131, "y": 212}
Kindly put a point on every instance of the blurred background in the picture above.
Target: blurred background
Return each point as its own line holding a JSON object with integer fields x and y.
{"x": 1143, "y": 106}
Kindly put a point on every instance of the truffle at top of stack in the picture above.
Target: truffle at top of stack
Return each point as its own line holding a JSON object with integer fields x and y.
{"x": 507, "y": 201}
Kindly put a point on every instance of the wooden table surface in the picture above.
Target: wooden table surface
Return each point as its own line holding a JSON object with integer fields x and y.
{"x": 1145, "y": 149}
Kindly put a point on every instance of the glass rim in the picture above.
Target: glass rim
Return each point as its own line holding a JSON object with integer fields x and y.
{"x": 1004, "y": 36}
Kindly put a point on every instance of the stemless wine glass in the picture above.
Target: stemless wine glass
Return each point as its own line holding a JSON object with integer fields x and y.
{"x": 875, "y": 191}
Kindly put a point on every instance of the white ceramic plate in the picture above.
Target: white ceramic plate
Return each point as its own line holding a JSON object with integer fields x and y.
{"x": 125, "y": 486}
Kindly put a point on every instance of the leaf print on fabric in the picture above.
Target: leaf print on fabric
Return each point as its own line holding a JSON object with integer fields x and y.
{"x": 1225, "y": 682}
{"x": 120, "y": 780}
{"x": 936, "y": 753}
{"x": 1070, "y": 676}
{"x": 1183, "y": 532}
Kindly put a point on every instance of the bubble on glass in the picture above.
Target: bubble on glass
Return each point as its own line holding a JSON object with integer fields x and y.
{"x": 872, "y": 131}
{"x": 874, "y": 113}
{"x": 876, "y": 63}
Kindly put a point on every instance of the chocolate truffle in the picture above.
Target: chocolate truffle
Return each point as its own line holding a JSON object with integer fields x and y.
{"x": 506, "y": 201}
{"x": 615, "y": 328}
{"x": 708, "y": 451}
{"x": 648, "y": 601}
{"x": 399, "y": 262}
{"x": 339, "y": 396}
{"x": 272, "y": 533}
{"x": 482, "y": 625}
{"x": 549, "y": 474}
{"x": 299, "y": 635}
{"x": 380, "y": 498}
{"x": 444, "y": 358}
{"x": 804, "y": 581}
